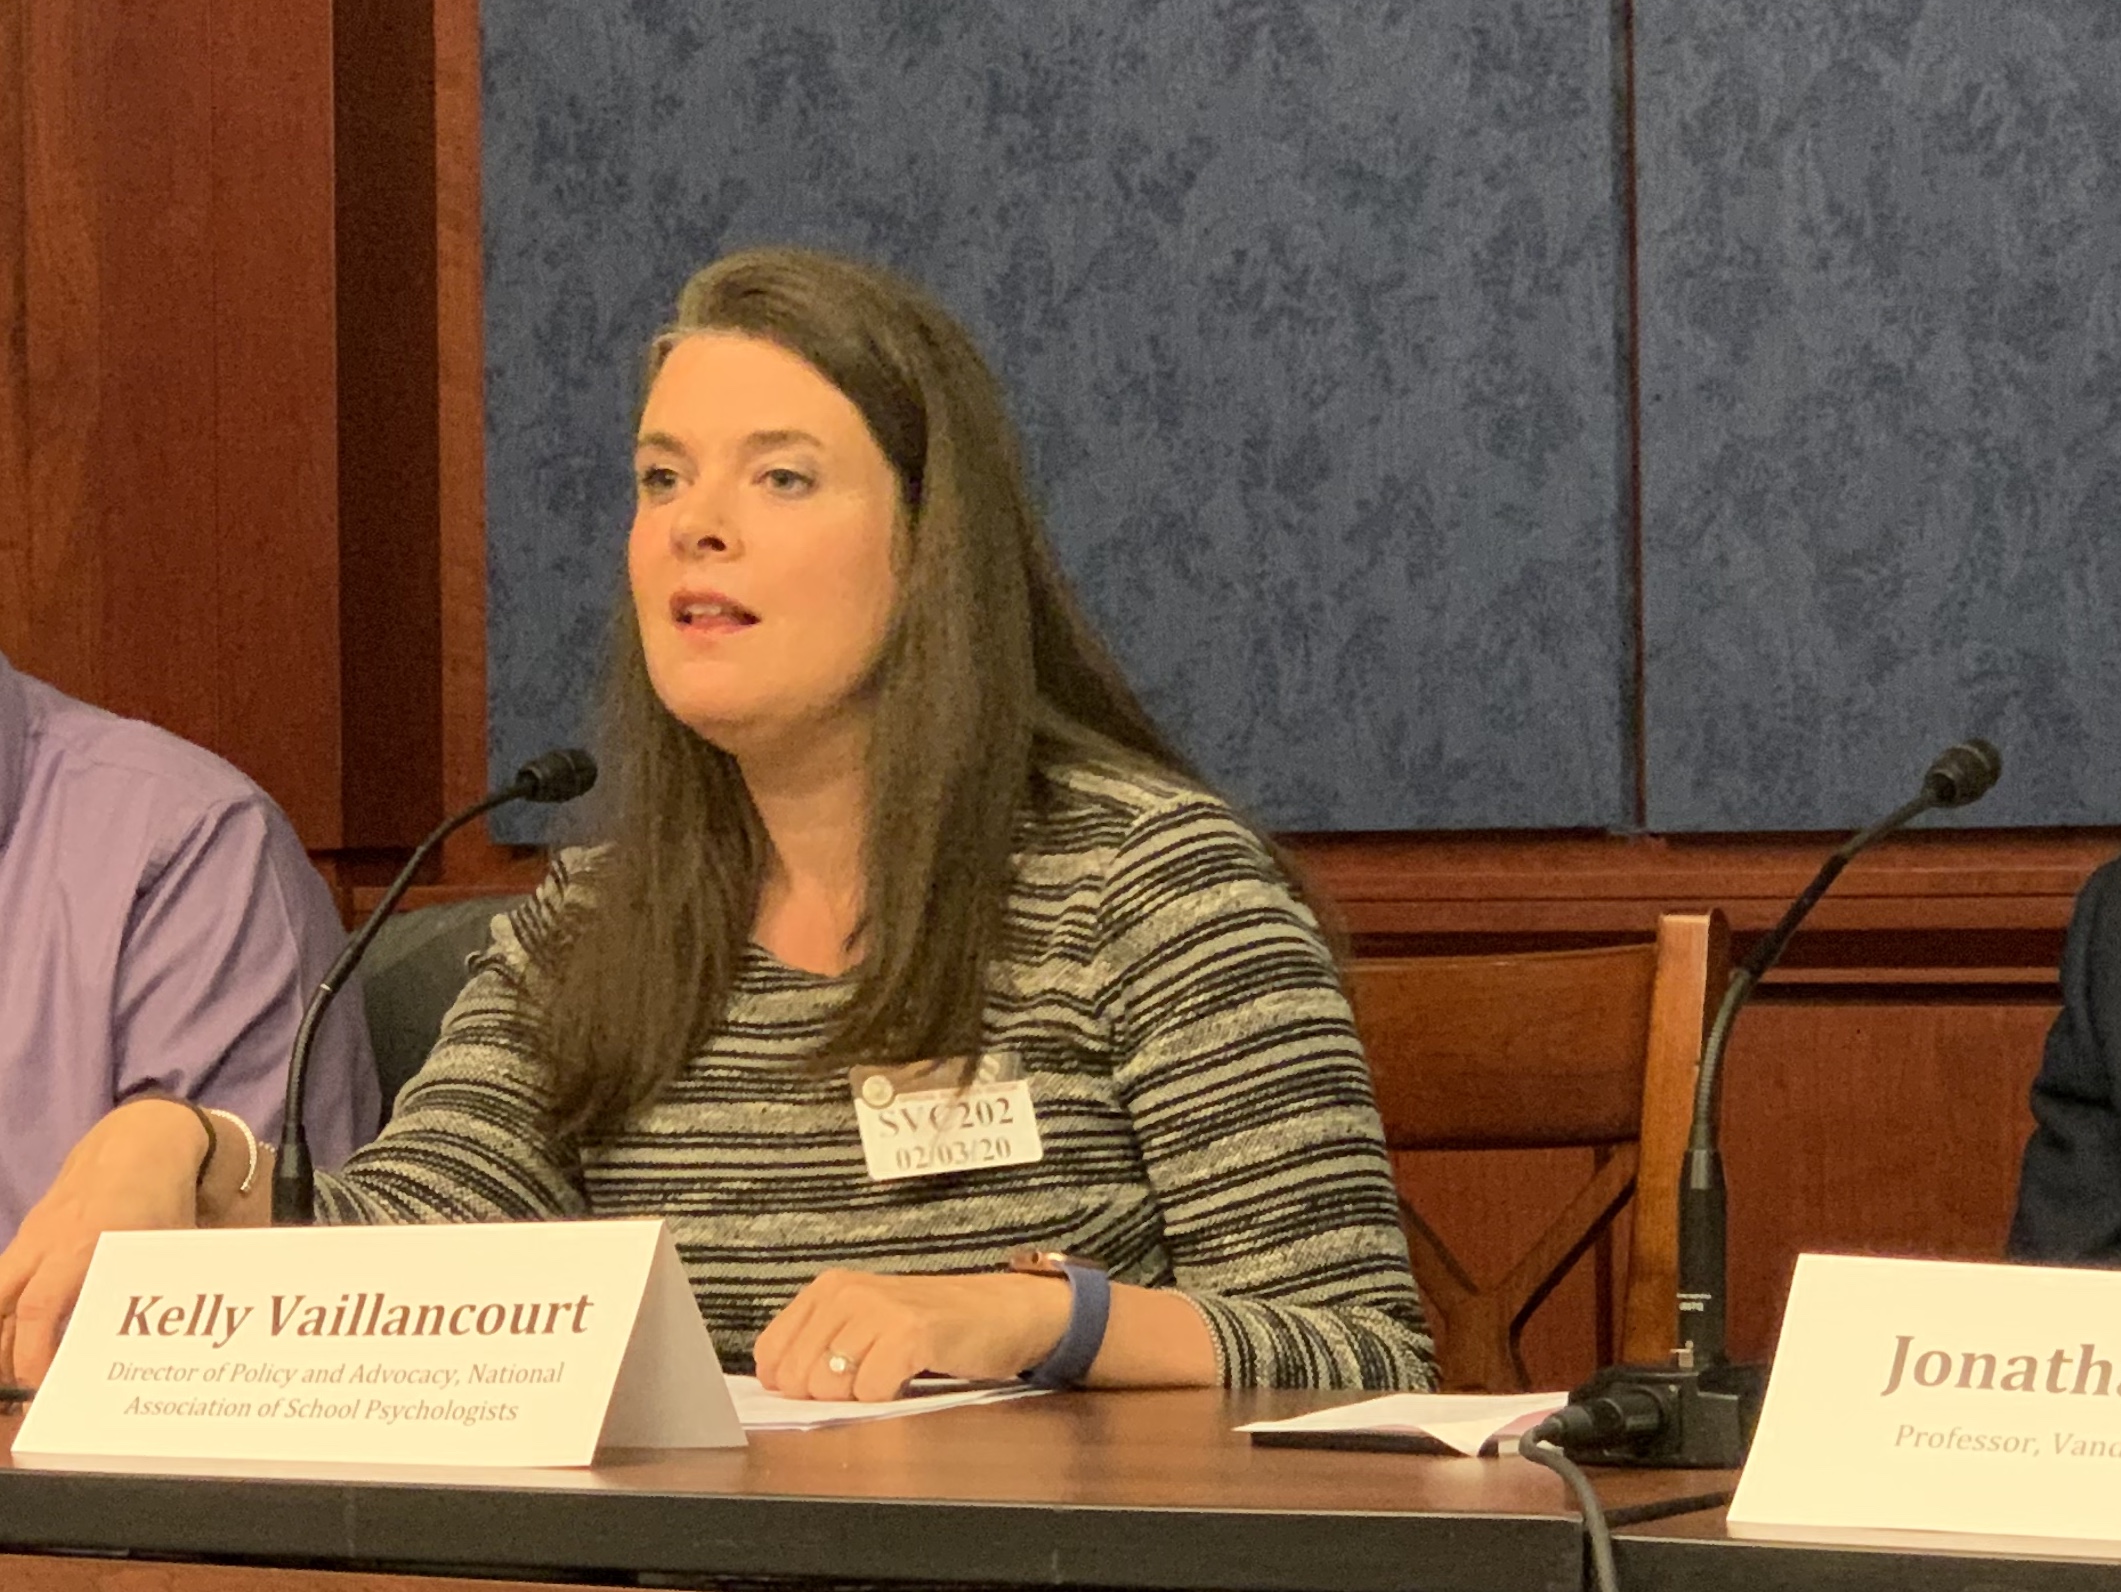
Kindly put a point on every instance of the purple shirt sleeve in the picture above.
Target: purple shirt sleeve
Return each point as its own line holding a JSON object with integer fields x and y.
{"x": 223, "y": 948}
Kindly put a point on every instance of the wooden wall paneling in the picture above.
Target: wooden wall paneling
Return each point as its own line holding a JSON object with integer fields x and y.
{"x": 1888, "y": 1128}
{"x": 388, "y": 438}
{"x": 275, "y": 378}
{"x": 63, "y": 129}
{"x": 169, "y": 402}
{"x": 14, "y": 331}
{"x": 1938, "y": 904}
{"x": 461, "y": 413}
{"x": 1985, "y": 907}
{"x": 150, "y": 453}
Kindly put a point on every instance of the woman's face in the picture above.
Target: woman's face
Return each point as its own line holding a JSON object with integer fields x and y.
{"x": 762, "y": 553}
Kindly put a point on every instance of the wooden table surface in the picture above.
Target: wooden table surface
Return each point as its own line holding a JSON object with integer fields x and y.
{"x": 1149, "y": 1489}
{"x": 1140, "y": 1490}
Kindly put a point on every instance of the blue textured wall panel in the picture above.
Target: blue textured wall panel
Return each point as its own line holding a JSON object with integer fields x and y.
{"x": 1881, "y": 322}
{"x": 1305, "y": 307}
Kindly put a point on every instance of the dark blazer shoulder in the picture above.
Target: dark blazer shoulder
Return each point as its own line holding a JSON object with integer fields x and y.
{"x": 2091, "y": 965}
{"x": 2098, "y": 911}
{"x": 2069, "y": 1188}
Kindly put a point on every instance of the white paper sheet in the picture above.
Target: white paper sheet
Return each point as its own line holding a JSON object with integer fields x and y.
{"x": 761, "y": 1411}
{"x": 1460, "y": 1421}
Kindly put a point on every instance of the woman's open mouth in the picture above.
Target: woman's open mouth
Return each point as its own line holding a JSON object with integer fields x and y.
{"x": 710, "y": 613}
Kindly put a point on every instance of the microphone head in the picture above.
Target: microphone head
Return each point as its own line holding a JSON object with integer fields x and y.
{"x": 556, "y": 776}
{"x": 1963, "y": 773}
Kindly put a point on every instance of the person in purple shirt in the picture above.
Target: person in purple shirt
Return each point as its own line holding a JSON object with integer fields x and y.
{"x": 160, "y": 932}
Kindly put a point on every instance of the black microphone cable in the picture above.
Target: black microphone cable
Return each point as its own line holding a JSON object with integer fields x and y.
{"x": 1538, "y": 1445}
{"x": 1625, "y": 1412}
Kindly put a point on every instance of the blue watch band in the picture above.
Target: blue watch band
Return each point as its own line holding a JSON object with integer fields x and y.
{"x": 1089, "y": 1307}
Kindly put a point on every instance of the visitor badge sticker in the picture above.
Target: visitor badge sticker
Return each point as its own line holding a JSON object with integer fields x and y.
{"x": 931, "y": 1118}
{"x": 513, "y": 1344}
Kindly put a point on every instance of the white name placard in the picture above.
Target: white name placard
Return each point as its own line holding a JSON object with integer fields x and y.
{"x": 519, "y": 1344}
{"x": 1941, "y": 1397}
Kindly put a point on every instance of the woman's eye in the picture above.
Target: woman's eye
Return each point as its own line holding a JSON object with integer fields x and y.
{"x": 656, "y": 478}
{"x": 785, "y": 481}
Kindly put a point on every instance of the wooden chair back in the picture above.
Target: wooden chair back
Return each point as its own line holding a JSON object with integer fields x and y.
{"x": 1543, "y": 1050}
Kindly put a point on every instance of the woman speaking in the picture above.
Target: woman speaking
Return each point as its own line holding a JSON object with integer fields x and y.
{"x": 947, "y": 1018}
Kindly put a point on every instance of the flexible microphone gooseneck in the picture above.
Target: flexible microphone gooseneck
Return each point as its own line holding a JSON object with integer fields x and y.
{"x": 557, "y": 776}
{"x": 1699, "y": 1410}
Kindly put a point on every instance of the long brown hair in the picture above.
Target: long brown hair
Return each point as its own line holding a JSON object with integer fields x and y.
{"x": 989, "y": 674}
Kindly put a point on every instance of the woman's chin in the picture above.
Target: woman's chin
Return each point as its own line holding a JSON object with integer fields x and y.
{"x": 743, "y": 731}
{"x": 717, "y": 726}
{"x": 770, "y": 737}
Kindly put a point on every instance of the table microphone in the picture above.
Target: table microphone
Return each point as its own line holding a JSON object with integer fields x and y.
{"x": 556, "y": 776}
{"x": 1699, "y": 1410}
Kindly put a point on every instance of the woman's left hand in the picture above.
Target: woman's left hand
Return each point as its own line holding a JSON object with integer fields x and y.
{"x": 881, "y": 1332}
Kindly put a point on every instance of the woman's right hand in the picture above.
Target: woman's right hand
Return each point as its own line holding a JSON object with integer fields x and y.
{"x": 136, "y": 1169}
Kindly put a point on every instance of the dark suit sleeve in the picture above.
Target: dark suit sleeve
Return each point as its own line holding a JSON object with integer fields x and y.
{"x": 2069, "y": 1191}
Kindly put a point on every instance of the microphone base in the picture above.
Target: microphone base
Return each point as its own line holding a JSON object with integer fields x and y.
{"x": 1710, "y": 1412}
{"x": 294, "y": 1186}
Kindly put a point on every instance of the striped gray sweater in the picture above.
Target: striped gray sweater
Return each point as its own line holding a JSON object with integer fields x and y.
{"x": 1204, "y": 1105}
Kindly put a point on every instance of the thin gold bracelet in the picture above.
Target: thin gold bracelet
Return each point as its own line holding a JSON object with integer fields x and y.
{"x": 250, "y": 1146}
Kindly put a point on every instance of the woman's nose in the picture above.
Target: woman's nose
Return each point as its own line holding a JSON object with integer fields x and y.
{"x": 699, "y": 529}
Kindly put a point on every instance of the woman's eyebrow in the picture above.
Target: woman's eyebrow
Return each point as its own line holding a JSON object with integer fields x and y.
{"x": 756, "y": 442}
{"x": 760, "y": 441}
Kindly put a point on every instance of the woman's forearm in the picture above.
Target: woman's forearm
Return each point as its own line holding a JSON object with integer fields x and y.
{"x": 1154, "y": 1338}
